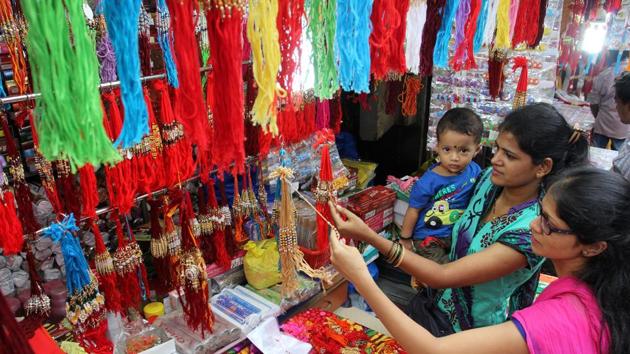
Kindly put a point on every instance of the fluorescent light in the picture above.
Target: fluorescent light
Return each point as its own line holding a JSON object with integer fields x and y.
{"x": 594, "y": 37}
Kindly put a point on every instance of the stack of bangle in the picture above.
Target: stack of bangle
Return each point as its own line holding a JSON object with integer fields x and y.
{"x": 395, "y": 254}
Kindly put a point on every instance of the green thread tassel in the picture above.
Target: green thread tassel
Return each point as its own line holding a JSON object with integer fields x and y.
{"x": 322, "y": 27}
{"x": 64, "y": 66}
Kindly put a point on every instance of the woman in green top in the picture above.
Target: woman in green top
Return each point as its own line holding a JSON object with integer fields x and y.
{"x": 493, "y": 271}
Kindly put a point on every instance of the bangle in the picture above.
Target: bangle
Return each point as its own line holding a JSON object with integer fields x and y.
{"x": 397, "y": 252}
{"x": 402, "y": 255}
{"x": 405, "y": 238}
{"x": 390, "y": 253}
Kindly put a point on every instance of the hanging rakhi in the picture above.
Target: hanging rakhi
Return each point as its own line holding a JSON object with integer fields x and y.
{"x": 435, "y": 12}
{"x": 66, "y": 187}
{"x": 13, "y": 29}
{"x": 440, "y": 54}
{"x": 45, "y": 172}
{"x": 129, "y": 266}
{"x": 520, "y": 97}
{"x": 85, "y": 306}
{"x": 105, "y": 271}
{"x": 120, "y": 179}
{"x": 231, "y": 243}
{"x": 206, "y": 224}
{"x": 165, "y": 39}
{"x": 61, "y": 49}
{"x": 263, "y": 35}
{"x": 191, "y": 274}
{"x": 291, "y": 257}
{"x": 385, "y": 20}
{"x": 290, "y": 17}
{"x": 122, "y": 17}
{"x": 16, "y": 171}
{"x": 89, "y": 191}
{"x": 147, "y": 155}
{"x": 177, "y": 150}
{"x": 105, "y": 51}
{"x": 322, "y": 29}
{"x": 239, "y": 211}
{"x": 159, "y": 242}
{"x": 226, "y": 45}
{"x": 38, "y": 304}
{"x": 324, "y": 194}
{"x": 496, "y": 76}
{"x": 467, "y": 16}
{"x": 222, "y": 221}
{"x": 352, "y": 41}
{"x": 189, "y": 104}
{"x": 144, "y": 29}
{"x": 416, "y": 18}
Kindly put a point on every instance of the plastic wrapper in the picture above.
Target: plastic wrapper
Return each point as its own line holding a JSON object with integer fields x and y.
{"x": 191, "y": 342}
{"x": 470, "y": 88}
{"x": 307, "y": 289}
{"x": 243, "y": 308}
{"x": 261, "y": 264}
{"x": 149, "y": 337}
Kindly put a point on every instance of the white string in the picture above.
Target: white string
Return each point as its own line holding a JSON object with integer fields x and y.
{"x": 416, "y": 17}
{"x": 491, "y": 23}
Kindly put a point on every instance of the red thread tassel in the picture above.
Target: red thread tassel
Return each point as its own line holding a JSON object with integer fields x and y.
{"x": 226, "y": 43}
{"x": 323, "y": 194}
{"x": 89, "y": 193}
{"x": 289, "y": 23}
{"x": 128, "y": 281}
{"x": 178, "y": 161}
{"x": 385, "y": 20}
{"x": 156, "y": 160}
{"x": 189, "y": 102}
{"x": 464, "y": 58}
{"x": 397, "y": 62}
{"x": 10, "y": 227}
{"x": 496, "y": 77}
{"x": 336, "y": 114}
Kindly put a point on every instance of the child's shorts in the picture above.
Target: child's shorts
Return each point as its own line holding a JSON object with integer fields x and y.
{"x": 434, "y": 248}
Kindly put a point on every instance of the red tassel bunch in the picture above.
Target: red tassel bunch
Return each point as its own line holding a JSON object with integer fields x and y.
{"x": 385, "y": 21}
{"x": 520, "y": 97}
{"x": 222, "y": 223}
{"x": 177, "y": 150}
{"x": 10, "y": 226}
{"x": 527, "y": 25}
{"x": 89, "y": 191}
{"x": 69, "y": 194}
{"x": 496, "y": 76}
{"x": 120, "y": 178}
{"x": 289, "y": 22}
{"x": 323, "y": 194}
{"x": 225, "y": 34}
{"x": 189, "y": 101}
{"x": 464, "y": 58}
{"x": 397, "y": 62}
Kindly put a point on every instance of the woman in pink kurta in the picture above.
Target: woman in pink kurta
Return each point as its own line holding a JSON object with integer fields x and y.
{"x": 584, "y": 229}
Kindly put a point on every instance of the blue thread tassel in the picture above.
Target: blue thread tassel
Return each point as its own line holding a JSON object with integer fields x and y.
{"x": 77, "y": 268}
{"x": 481, "y": 26}
{"x": 352, "y": 45}
{"x": 440, "y": 53}
{"x": 165, "y": 39}
{"x": 122, "y": 18}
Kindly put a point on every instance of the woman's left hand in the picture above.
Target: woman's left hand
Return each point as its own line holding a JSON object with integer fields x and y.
{"x": 347, "y": 260}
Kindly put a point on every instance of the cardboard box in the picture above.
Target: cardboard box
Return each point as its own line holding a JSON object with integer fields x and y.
{"x": 375, "y": 205}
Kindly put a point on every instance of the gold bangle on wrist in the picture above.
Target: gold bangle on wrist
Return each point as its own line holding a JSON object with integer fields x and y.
{"x": 402, "y": 255}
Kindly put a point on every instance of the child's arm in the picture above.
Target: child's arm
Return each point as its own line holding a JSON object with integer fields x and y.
{"x": 409, "y": 224}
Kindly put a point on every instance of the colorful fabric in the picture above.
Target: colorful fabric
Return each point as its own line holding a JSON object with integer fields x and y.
{"x": 491, "y": 302}
{"x": 564, "y": 319}
{"x": 328, "y": 333}
{"x": 441, "y": 200}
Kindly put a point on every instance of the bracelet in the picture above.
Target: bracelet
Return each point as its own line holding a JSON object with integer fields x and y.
{"x": 402, "y": 255}
{"x": 389, "y": 254}
{"x": 398, "y": 249}
{"x": 405, "y": 238}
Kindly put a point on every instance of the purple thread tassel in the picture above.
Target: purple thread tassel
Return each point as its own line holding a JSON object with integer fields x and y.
{"x": 107, "y": 57}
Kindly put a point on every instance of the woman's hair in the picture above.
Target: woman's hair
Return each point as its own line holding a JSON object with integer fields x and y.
{"x": 595, "y": 204}
{"x": 542, "y": 132}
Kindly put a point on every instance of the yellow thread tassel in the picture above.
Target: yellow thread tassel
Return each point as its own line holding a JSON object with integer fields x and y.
{"x": 502, "y": 40}
{"x": 262, "y": 33}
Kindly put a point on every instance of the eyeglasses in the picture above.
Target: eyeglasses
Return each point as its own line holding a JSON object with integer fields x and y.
{"x": 546, "y": 226}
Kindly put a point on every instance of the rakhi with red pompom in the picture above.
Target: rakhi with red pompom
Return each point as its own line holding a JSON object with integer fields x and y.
{"x": 520, "y": 97}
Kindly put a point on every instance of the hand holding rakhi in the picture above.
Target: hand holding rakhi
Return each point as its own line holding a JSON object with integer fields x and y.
{"x": 347, "y": 260}
{"x": 350, "y": 225}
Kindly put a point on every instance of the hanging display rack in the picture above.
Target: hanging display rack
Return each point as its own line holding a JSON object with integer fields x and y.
{"x": 103, "y": 86}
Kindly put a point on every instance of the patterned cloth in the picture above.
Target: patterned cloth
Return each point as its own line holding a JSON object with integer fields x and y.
{"x": 492, "y": 302}
{"x": 328, "y": 333}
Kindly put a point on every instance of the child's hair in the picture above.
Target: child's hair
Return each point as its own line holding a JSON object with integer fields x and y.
{"x": 463, "y": 121}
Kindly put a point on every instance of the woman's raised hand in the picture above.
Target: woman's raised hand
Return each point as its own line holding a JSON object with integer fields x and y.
{"x": 350, "y": 225}
{"x": 347, "y": 260}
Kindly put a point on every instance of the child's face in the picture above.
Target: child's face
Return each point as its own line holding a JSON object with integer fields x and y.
{"x": 456, "y": 150}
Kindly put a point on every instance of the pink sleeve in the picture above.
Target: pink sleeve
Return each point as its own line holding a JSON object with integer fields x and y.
{"x": 559, "y": 325}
